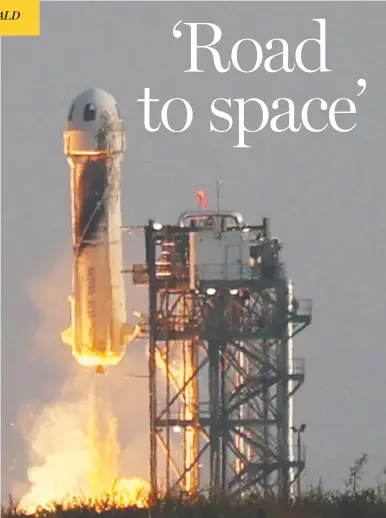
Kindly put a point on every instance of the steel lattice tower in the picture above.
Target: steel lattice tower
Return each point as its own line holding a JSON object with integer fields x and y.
{"x": 222, "y": 375}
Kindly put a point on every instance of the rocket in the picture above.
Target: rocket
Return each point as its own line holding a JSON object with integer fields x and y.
{"x": 94, "y": 144}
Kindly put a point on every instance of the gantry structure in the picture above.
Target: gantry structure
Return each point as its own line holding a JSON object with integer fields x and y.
{"x": 222, "y": 371}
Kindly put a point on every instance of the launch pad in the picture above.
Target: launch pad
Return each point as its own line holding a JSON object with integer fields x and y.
{"x": 221, "y": 308}
{"x": 220, "y": 324}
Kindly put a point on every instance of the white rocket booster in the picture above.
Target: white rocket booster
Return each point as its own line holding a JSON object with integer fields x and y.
{"x": 94, "y": 144}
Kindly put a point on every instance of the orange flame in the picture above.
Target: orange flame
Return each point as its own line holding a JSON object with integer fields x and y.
{"x": 80, "y": 451}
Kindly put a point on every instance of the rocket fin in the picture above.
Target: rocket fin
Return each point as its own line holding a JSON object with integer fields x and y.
{"x": 67, "y": 336}
{"x": 129, "y": 333}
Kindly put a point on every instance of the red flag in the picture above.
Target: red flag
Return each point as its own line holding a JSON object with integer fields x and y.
{"x": 201, "y": 196}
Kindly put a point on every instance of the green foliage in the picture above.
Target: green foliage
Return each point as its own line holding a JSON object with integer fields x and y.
{"x": 356, "y": 472}
{"x": 354, "y": 502}
{"x": 315, "y": 503}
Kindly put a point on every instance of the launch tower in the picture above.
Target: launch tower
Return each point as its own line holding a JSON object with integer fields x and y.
{"x": 222, "y": 373}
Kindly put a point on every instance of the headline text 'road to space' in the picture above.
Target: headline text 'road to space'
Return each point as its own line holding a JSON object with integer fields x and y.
{"x": 281, "y": 114}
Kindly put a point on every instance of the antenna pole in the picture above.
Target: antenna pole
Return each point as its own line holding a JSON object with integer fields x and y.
{"x": 218, "y": 183}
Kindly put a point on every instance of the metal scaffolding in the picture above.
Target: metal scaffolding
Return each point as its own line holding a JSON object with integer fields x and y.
{"x": 222, "y": 316}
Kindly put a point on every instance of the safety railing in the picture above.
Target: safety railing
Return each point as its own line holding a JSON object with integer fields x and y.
{"x": 298, "y": 366}
{"x": 237, "y": 271}
{"x": 303, "y": 306}
{"x": 163, "y": 271}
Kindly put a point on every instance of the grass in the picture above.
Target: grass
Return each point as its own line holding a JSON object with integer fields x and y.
{"x": 316, "y": 503}
{"x": 353, "y": 502}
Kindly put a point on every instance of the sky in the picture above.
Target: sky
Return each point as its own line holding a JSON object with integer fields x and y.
{"x": 323, "y": 192}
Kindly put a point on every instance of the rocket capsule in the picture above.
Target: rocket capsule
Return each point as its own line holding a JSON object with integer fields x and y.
{"x": 94, "y": 125}
{"x": 94, "y": 143}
